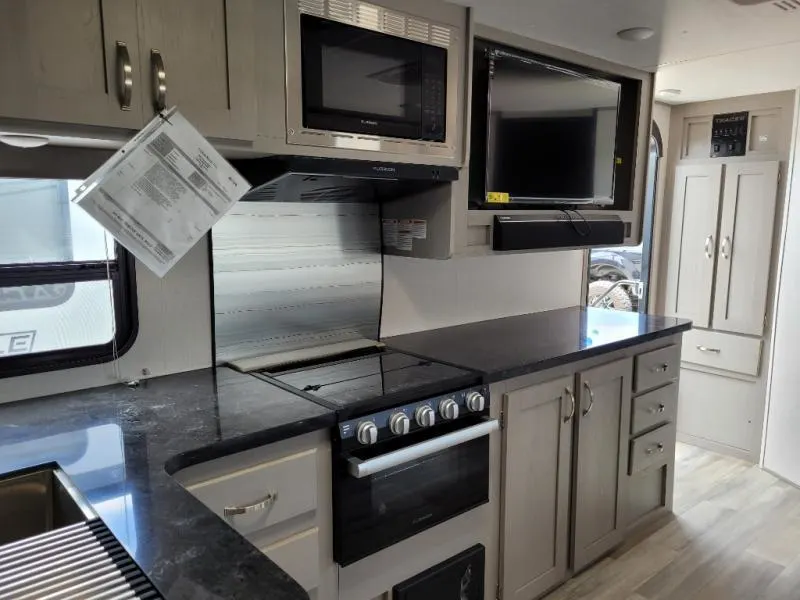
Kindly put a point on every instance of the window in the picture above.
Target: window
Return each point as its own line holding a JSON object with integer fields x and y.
{"x": 619, "y": 277}
{"x": 67, "y": 290}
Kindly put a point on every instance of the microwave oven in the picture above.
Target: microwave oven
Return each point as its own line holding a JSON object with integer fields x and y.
{"x": 364, "y": 77}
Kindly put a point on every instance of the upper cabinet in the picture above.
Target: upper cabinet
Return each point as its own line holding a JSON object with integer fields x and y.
{"x": 722, "y": 230}
{"x": 71, "y": 62}
{"x": 197, "y": 55}
{"x": 115, "y": 63}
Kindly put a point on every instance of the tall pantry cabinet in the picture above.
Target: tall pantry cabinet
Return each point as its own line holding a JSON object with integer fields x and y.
{"x": 721, "y": 228}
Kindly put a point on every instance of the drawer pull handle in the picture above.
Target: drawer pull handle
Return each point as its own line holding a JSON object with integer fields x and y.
{"x": 658, "y": 409}
{"x": 591, "y": 398}
{"x": 232, "y": 511}
{"x": 571, "y": 414}
{"x": 707, "y": 349}
{"x": 709, "y": 243}
{"x": 661, "y": 368}
{"x": 659, "y": 448}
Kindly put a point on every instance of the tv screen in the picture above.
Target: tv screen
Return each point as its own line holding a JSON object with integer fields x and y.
{"x": 551, "y": 134}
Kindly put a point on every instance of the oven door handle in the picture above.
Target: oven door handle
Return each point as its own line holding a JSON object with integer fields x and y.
{"x": 365, "y": 468}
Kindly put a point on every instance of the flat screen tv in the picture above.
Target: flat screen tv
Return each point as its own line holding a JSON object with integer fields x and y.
{"x": 545, "y": 133}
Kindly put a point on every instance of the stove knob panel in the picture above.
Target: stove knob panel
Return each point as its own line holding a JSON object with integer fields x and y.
{"x": 448, "y": 409}
{"x": 425, "y": 416}
{"x": 399, "y": 424}
{"x": 475, "y": 402}
{"x": 367, "y": 433}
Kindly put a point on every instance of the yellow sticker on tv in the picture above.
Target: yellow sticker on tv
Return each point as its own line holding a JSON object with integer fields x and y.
{"x": 497, "y": 197}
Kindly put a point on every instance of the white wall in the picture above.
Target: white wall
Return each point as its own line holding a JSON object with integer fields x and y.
{"x": 782, "y": 429}
{"x": 427, "y": 294}
{"x": 174, "y": 334}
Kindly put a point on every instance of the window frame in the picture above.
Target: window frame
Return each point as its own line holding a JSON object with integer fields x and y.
{"x": 73, "y": 164}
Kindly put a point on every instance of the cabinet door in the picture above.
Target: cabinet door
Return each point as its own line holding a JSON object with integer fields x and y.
{"x": 695, "y": 207}
{"x": 59, "y": 62}
{"x": 745, "y": 246}
{"x": 601, "y": 460}
{"x": 536, "y": 477}
{"x": 204, "y": 50}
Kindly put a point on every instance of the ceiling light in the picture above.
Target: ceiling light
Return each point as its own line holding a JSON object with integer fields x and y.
{"x": 18, "y": 140}
{"x": 670, "y": 92}
{"x": 636, "y": 34}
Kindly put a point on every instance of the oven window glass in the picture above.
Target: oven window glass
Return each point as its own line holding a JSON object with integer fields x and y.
{"x": 361, "y": 81}
{"x": 377, "y": 511}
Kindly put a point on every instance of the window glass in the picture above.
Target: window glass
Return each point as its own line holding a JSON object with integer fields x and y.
{"x": 39, "y": 318}
{"x": 66, "y": 297}
{"x": 39, "y": 224}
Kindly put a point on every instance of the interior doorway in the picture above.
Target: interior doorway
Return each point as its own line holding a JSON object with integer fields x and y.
{"x": 619, "y": 277}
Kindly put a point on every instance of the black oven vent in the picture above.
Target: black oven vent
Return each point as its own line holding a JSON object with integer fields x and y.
{"x": 307, "y": 179}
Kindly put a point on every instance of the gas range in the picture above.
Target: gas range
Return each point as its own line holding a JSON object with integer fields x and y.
{"x": 410, "y": 449}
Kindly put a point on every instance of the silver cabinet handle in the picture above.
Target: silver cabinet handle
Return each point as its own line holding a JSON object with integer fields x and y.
{"x": 363, "y": 468}
{"x": 659, "y": 448}
{"x": 709, "y": 246}
{"x": 658, "y": 409}
{"x": 124, "y": 76}
{"x": 726, "y": 247}
{"x": 591, "y": 398}
{"x": 571, "y": 414}
{"x": 232, "y": 511}
{"x": 159, "y": 80}
{"x": 662, "y": 368}
{"x": 707, "y": 349}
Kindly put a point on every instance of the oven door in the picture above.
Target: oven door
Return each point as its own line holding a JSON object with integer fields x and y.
{"x": 387, "y": 494}
{"x": 361, "y": 81}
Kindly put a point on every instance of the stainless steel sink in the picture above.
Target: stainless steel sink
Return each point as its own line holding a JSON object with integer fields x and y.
{"x": 37, "y": 501}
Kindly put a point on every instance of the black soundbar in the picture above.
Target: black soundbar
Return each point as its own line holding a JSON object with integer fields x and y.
{"x": 534, "y": 232}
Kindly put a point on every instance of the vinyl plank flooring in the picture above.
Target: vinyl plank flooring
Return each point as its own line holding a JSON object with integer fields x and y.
{"x": 735, "y": 535}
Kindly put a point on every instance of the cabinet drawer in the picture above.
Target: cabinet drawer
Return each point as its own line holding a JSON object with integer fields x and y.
{"x": 298, "y": 555}
{"x": 656, "y": 368}
{"x": 722, "y": 351}
{"x": 654, "y": 408}
{"x": 291, "y": 480}
{"x": 654, "y": 448}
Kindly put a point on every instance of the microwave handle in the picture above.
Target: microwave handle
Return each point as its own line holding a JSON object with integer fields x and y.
{"x": 364, "y": 468}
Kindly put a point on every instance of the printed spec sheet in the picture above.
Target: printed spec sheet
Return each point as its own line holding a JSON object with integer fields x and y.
{"x": 162, "y": 191}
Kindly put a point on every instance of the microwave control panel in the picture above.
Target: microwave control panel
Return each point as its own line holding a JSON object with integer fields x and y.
{"x": 729, "y": 134}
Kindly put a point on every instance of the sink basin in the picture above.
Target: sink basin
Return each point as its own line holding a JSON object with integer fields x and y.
{"x": 37, "y": 501}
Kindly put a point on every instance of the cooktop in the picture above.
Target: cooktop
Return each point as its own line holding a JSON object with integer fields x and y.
{"x": 374, "y": 381}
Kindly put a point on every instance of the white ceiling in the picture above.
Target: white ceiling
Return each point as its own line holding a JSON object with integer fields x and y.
{"x": 707, "y": 48}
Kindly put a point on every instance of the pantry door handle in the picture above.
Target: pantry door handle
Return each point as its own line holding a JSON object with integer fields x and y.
{"x": 124, "y": 76}
{"x": 709, "y": 245}
{"x": 159, "y": 80}
{"x": 725, "y": 248}
{"x": 591, "y": 398}
{"x": 571, "y": 414}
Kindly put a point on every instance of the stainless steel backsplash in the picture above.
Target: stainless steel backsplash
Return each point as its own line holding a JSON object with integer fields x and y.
{"x": 292, "y": 275}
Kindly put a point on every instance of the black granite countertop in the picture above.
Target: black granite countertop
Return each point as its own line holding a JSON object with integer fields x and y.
{"x": 514, "y": 346}
{"x": 120, "y": 444}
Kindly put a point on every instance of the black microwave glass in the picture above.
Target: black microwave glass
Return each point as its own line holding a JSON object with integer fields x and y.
{"x": 360, "y": 81}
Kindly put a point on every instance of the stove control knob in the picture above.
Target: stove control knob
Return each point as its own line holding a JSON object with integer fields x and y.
{"x": 425, "y": 416}
{"x": 399, "y": 424}
{"x": 448, "y": 409}
{"x": 367, "y": 433}
{"x": 475, "y": 402}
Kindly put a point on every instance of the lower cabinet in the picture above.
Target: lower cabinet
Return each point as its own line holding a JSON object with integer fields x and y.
{"x": 537, "y": 455}
{"x": 601, "y": 460}
{"x": 566, "y": 488}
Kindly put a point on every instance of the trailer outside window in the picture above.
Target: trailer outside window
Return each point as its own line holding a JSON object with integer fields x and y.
{"x": 67, "y": 290}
